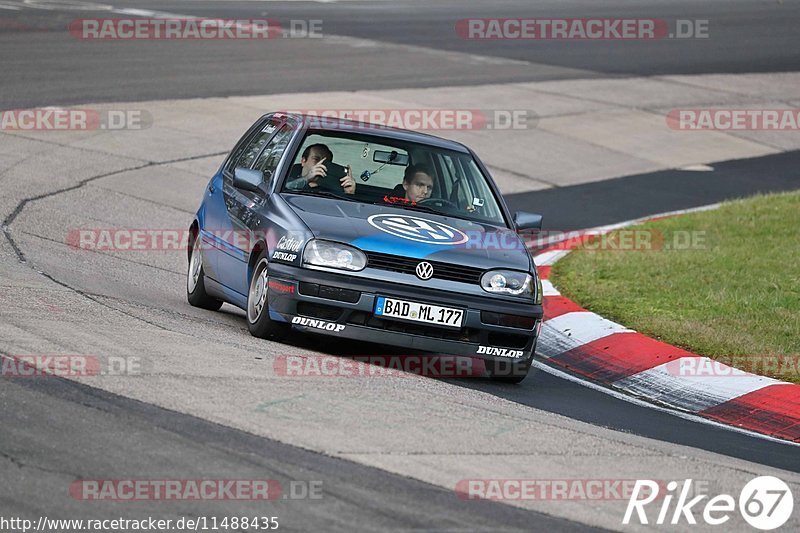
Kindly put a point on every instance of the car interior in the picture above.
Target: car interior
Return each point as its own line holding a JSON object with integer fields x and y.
{"x": 378, "y": 169}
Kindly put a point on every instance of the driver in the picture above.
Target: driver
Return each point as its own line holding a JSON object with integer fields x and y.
{"x": 418, "y": 183}
{"x": 311, "y": 169}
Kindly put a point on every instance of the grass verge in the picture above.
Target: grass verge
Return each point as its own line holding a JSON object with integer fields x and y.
{"x": 722, "y": 283}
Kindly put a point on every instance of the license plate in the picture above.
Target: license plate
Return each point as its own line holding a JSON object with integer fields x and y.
{"x": 419, "y": 312}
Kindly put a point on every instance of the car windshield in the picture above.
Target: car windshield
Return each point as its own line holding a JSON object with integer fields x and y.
{"x": 380, "y": 170}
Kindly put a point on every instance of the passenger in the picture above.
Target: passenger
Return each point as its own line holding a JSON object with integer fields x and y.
{"x": 418, "y": 183}
{"x": 311, "y": 170}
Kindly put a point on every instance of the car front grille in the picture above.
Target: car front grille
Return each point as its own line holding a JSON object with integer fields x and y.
{"x": 325, "y": 312}
{"x": 408, "y": 265}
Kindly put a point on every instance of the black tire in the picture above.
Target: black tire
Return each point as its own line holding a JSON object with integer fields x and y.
{"x": 258, "y": 320}
{"x": 195, "y": 280}
{"x": 509, "y": 371}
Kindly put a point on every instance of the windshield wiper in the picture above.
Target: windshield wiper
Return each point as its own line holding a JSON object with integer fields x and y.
{"x": 409, "y": 205}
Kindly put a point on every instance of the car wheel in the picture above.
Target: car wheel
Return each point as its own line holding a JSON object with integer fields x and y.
{"x": 195, "y": 280}
{"x": 509, "y": 371}
{"x": 258, "y": 321}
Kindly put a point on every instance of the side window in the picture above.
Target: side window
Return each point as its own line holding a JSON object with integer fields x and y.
{"x": 268, "y": 160}
{"x": 257, "y": 145}
{"x": 237, "y": 154}
{"x": 248, "y": 152}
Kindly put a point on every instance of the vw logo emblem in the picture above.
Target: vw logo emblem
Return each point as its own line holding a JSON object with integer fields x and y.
{"x": 424, "y": 270}
{"x": 418, "y": 229}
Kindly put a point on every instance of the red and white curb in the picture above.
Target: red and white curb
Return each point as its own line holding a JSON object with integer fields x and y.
{"x": 586, "y": 344}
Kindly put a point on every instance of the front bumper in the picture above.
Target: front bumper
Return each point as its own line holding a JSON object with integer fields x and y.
{"x": 341, "y": 305}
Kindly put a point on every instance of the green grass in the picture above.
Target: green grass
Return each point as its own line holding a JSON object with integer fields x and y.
{"x": 733, "y": 296}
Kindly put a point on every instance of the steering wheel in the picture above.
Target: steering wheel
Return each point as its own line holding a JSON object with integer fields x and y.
{"x": 438, "y": 202}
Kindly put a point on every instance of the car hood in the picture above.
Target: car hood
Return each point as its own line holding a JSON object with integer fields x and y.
{"x": 411, "y": 233}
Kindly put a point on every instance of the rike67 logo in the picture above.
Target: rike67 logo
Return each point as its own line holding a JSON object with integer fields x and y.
{"x": 765, "y": 503}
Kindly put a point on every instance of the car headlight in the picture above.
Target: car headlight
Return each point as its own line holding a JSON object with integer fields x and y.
{"x": 508, "y": 282}
{"x": 334, "y": 255}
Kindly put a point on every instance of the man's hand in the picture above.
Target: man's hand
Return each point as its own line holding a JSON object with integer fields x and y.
{"x": 316, "y": 173}
{"x": 347, "y": 182}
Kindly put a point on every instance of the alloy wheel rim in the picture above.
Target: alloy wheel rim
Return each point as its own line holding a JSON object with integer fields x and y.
{"x": 195, "y": 266}
{"x": 257, "y": 298}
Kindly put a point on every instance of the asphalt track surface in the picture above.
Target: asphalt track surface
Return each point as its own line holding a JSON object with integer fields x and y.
{"x": 114, "y": 434}
{"x": 633, "y": 197}
{"x": 55, "y": 430}
{"x": 43, "y": 63}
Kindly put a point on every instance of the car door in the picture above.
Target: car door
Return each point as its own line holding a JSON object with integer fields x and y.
{"x": 263, "y": 154}
{"x": 215, "y": 222}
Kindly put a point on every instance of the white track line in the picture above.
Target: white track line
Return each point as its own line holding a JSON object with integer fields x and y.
{"x": 642, "y": 403}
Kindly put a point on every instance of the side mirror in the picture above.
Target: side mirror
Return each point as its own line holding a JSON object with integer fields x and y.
{"x": 523, "y": 220}
{"x": 248, "y": 180}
